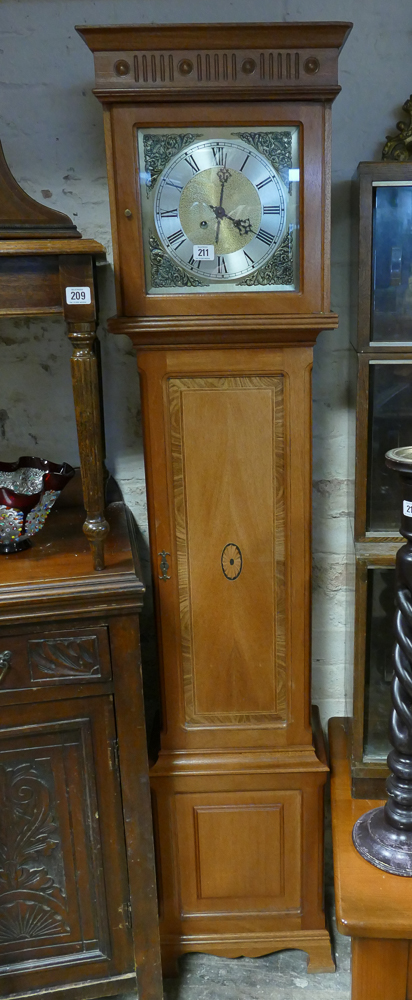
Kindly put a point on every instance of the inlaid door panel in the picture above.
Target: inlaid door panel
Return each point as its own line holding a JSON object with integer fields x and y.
{"x": 62, "y": 883}
{"x": 227, "y": 444}
{"x": 241, "y": 850}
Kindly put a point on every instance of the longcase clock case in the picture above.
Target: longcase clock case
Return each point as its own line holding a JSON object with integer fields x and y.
{"x": 226, "y": 396}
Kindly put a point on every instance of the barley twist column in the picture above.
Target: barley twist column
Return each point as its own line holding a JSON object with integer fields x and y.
{"x": 384, "y": 836}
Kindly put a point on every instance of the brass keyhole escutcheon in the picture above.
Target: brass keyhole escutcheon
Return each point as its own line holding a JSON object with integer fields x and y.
{"x": 164, "y": 565}
{"x": 5, "y": 663}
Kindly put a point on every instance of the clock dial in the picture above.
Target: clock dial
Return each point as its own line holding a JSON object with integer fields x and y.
{"x": 220, "y": 209}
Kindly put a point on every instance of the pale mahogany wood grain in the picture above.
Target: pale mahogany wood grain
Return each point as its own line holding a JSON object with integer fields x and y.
{"x": 238, "y": 785}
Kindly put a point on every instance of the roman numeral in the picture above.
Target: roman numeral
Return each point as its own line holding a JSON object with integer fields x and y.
{"x": 245, "y": 161}
{"x": 174, "y": 184}
{"x": 178, "y": 235}
{"x": 192, "y": 262}
{"x": 262, "y": 184}
{"x": 219, "y": 155}
{"x": 172, "y": 213}
{"x": 248, "y": 257}
{"x": 265, "y": 237}
{"x": 221, "y": 265}
{"x": 191, "y": 162}
{"x": 271, "y": 210}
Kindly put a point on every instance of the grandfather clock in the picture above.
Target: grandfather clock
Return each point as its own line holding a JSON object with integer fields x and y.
{"x": 218, "y": 148}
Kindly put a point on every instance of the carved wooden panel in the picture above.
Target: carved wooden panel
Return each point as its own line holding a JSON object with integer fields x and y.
{"x": 55, "y": 657}
{"x": 57, "y": 898}
{"x": 227, "y": 442}
{"x": 242, "y": 851}
{"x": 33, "y": 901}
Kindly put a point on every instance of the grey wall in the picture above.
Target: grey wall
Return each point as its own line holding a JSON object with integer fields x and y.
{"x": 52, "y": 134}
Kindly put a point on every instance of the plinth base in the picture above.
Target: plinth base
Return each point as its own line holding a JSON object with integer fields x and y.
{"x": 382, "y": 845}
{"x": 316, "y": 944}
{"x": 240, "y": 852}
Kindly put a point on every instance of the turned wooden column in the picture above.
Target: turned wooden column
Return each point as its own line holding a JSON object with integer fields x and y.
{"x": 77, "y": 272}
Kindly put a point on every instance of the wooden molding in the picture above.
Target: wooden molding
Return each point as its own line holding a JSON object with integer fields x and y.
{"x": 220, "y": 331}
{"x": 58, "y": 245}
{"x": 216, "y": 61}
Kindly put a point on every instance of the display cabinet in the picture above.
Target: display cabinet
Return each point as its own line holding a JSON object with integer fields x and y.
{"x": 384, "y": 421}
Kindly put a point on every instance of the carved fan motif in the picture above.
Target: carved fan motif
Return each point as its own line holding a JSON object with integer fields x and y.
{"x": 24, "y": 920}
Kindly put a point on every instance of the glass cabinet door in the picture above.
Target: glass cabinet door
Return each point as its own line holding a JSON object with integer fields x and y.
{"x": 391, "y": 315}
{"x": 389, "y": 426}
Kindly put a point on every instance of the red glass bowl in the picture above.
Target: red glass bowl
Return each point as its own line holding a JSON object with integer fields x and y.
{"x": 28, "y": 490}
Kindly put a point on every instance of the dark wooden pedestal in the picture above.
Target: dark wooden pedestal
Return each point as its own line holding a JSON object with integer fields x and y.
{"x": 78, "y": 913}
{"x": 375, "y": 908}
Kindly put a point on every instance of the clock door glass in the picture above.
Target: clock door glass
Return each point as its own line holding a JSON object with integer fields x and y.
{"x": 220, "y": 209}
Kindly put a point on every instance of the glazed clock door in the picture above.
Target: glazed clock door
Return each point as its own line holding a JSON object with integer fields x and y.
{"x": 220, "y": 214}
{"x": 63, "y": 883}
{"x": 220, "y": 218}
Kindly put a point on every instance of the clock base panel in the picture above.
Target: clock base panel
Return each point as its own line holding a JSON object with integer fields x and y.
{"x": 240, "y": 854}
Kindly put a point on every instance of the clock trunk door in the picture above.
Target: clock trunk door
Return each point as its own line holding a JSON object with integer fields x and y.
{"x": 223, "y": 550}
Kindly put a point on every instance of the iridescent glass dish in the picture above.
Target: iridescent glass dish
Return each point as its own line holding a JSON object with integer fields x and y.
{"x": 28, "y": 490}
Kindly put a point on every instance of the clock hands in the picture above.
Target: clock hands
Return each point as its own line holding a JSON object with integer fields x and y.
{"x": 223, "y": 174}
{"x": 244, "y": 226}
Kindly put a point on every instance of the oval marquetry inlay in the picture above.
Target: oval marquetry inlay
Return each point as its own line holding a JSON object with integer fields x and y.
{"x": 231, "y": 561}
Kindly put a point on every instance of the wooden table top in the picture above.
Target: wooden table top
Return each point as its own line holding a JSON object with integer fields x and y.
{"x": 369, "y": 902}
{"x": 59, "y": 564}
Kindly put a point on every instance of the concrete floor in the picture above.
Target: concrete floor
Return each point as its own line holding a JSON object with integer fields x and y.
{"x": 281, "y": 976}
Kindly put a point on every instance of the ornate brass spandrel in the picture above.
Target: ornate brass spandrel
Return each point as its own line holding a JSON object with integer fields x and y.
{"x": 399, "y": 147}
{"x": 164, "y": 272}
{"x": 276, "y": 146}
{"x": 279, "y": 270}
{"x": 159, "y": 149}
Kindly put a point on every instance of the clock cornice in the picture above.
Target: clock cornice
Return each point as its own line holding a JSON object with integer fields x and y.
{"x": 217, "y": 61}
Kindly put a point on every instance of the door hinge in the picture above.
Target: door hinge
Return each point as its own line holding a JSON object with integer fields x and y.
{"x": 114, "y": 761}
{"x": 127, "y": 909}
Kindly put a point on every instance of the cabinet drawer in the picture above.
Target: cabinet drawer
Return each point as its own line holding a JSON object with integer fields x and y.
{"x": 58, "y": 657}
